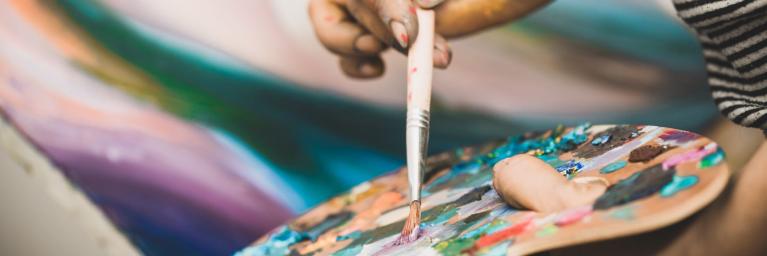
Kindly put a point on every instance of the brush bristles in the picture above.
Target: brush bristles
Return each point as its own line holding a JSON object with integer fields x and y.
{"x": 412, "y": 222}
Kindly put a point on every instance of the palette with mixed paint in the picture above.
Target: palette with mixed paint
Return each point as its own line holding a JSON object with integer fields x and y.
{"x": 658, "y": 176}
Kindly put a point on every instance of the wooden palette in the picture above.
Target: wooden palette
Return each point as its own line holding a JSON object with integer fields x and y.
{"x": 670, "y": 175}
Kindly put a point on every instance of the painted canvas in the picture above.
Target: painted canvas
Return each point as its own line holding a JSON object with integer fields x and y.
{"x": 657, "y": 176}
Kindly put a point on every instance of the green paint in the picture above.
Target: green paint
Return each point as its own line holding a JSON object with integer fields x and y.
{"x": 454, "y": 246}
{"x": 352, "y": 235}
{"x": 351, "y": 251}
{"x": 624, "y": 213}
{"x": 443, "y": 217}
{"x": 711, "y": 159}
{"x": 678, "y": 183}
{"x": 498, "y": 250}
{"x": 552, "y": 160}
{"x": 614, "y": 167}
{"x": 487, "y": 228}
{"x": 547, "y": 231}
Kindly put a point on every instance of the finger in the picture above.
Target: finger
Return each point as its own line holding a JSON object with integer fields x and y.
{"x": 338, "y": 33}
{"x": 443, "y": 55}
{"x": 399, "y": 17}
{"x": 428, "y": 4}
{"x": 364, "y": 13}
{"x": 528, "y": 182}
{"x": 461, "y": 17}
{"x": 362, "y": 67}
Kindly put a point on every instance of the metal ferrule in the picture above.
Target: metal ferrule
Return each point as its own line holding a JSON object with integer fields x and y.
{"x": 417, "y": 139}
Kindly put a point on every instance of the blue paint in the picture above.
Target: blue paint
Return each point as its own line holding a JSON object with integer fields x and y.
{"x": 570, "y": 168}
{"x": 277, "y": 244}
{"x": 711, "y": 159}
{"x": 601, "y": 140}
{"x": 614, "y": 166}
{"x": 552, "y": 160}
{"x": 678, "y": 183}
{"x": 443, "y": 217}
{"x": 498, "y": 250}
{"x": 353, "y": 251}
{"x": 557, "y": 141}
{"x": 352, "y": 235}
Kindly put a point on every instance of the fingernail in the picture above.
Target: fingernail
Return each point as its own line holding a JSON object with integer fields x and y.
{"x": 367, "y": 68}
{"x": 449, "y": 56}
{"x": 367, "y": 44}
{"x": 442, "y": 58}
{"x": 429, "y": 3}
{"x": 400, "y": 33}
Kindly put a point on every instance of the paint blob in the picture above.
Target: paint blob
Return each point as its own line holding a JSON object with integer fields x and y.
{"x": 712, "y": 159}
{"x": 607, "y": 140}
{"x": 678, "y": 136}
{"x": 547, "y": 231}
{"x": 690, "y": 156}
{"x": 679, "y": 183}
{"x": 637, "y": 186}
{"x": 570, "y": 168}
{"x": 614, "y": 166}
{"x": 598, "y": 141}
{"x": 623, "y": 213}
{"x": 647, "y": 153}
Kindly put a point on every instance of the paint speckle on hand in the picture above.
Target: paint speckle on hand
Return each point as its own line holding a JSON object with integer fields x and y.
{"x": 403, "y": 37}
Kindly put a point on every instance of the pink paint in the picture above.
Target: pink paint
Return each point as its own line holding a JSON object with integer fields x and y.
{"x": 678, "y": 136}
{"x": 403, "y": 37}
{"x": 689, "y": 156}
{"x": 512, "y": 231}
{"x": 393, "y": 246}
{"x": 573, "y": 216}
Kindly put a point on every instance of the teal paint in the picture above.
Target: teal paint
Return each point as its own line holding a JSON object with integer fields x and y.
{"x": 711, "y": 159}
{"x": 678, "y": 183}
{"x": 614, "y": 166}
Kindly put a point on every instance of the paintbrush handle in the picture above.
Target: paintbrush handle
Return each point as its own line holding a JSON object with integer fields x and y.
{"x": 419, "y": 78}
{"x": 420, "y": 62}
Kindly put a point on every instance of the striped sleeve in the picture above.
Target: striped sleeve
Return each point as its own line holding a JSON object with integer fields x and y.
{"x": 733, "y": 34}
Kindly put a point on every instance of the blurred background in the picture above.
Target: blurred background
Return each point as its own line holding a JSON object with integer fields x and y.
{"x": 193, "y": 127}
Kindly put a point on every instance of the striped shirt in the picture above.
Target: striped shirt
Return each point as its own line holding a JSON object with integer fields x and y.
{"x": 733, "y": 34}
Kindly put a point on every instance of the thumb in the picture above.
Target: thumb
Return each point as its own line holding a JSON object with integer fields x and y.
{"x": 428, "y": 4}
{"x": 400, "y": 18}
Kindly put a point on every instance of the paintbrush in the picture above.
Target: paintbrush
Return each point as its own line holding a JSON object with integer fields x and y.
{"x": 420, "y": 68}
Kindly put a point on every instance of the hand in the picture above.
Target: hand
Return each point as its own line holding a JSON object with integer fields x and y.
{"x": 359, "y": 30}
{"x": 527, "y": 182}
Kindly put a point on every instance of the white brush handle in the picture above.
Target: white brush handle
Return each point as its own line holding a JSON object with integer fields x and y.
{"x": 420, "y": 68}
{"x": 420, "y": 62}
